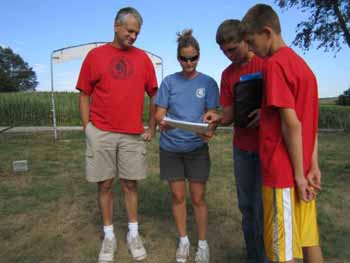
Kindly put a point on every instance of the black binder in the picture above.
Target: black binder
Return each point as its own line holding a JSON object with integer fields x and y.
{"x": 247, "y": 98}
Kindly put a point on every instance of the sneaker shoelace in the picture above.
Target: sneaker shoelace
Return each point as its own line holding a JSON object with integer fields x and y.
{"x": 136, "y": 243}
{"x": 182, "y": 251}
{"x": 201, "y": 255}
{"x": 107, "y": 245}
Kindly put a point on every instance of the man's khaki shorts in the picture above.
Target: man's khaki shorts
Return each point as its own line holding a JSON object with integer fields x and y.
{"x": 110, "y": 154}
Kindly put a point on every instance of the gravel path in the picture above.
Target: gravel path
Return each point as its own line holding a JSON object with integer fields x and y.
{"x": 38, "y": 129}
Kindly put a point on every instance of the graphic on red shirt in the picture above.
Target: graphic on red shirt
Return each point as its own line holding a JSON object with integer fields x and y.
{"x": 244, "y": 138}
{"x": 289, "y": 83}
{"x": 121, "y": 68}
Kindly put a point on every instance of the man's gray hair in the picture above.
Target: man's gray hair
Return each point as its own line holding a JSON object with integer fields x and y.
{"x": 124, "y": 12}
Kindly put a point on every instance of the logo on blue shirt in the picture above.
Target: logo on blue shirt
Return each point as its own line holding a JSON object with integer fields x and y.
{"x": 200, "y": 93}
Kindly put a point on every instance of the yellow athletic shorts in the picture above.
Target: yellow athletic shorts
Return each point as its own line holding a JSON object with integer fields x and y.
{"x": 289, "y": 224}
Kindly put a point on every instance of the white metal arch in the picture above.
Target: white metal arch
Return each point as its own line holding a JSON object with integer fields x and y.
{"x": 79, "y": 52}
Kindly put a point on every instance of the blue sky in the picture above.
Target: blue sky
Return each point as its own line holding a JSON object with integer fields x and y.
{"x": 35, "y": 28}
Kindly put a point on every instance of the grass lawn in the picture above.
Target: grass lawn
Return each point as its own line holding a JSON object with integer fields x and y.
{"x": 50, "y": 213}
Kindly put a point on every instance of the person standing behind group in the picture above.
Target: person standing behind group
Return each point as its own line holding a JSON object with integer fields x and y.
{"x": 288, "y": 142}
{"x": 112, "y": 83}
{"x": 186, "y": 96}
{"x": 245, "y": 140}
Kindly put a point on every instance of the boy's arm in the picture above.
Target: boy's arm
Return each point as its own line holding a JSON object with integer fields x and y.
{"x": 84, "y": 108}
{"x": 225, "y": 118}
{"x": 212, "y": 117}
{"x": 314, "y": 175}
{"x": 292, "y": 135}
{"x": 227, "y": 115}
{"x": 151, "y": 131}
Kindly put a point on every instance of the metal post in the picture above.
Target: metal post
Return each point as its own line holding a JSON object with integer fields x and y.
{"x": 53, "y": 109}
{"x": 162, "y": 69}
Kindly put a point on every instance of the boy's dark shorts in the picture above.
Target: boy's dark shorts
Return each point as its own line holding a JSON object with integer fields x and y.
{"x": 194, "y": 165}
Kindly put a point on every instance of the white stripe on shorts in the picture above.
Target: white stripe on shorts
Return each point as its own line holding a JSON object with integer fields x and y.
{"x": 288, "y": 223}
{"x": 275, "y": 226}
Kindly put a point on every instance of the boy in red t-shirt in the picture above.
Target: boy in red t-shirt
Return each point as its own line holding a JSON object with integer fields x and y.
{"x": 288, "y": 142}
{"x": 245, "y": 140}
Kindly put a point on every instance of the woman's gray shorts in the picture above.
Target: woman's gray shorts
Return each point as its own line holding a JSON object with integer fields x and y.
{"x": 194, "y": 165}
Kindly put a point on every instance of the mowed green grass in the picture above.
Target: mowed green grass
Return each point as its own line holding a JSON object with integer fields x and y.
{"x": 50, "y": 213}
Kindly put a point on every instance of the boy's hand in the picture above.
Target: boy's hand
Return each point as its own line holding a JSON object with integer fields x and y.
{"x": 314, "y": 178}
{"x": 255, "y": 114}
{"x": 306, "y": 192}
{"x": 212, "y": 117}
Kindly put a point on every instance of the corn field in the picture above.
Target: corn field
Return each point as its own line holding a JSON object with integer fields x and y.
{"x": 34, "y": 109}
{"x": 334, "y": 117}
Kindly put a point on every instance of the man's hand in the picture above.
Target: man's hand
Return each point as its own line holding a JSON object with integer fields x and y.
{"x": 306, "y": 192}
{"x": 212, "y": 117}
{"x": 84, "y": 108}
{"x": 254, "y": 123}
{"x": 149, "y": 134}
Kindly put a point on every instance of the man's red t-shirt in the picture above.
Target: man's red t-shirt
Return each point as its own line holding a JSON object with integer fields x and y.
{"x": 244, "y": 138}
{"x": 116, "y": 80}
{"x": 289, "y": 83}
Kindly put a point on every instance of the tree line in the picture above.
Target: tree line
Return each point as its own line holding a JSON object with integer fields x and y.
{"x": 15, "y": 74}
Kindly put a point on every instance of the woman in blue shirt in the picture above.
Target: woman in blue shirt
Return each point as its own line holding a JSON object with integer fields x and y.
{"x": 186, "y": 95}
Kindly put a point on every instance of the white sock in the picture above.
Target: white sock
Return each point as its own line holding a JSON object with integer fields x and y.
{"x": 133, "y": 229}
{"x": 109, "y": 231}
{"x": 184, "y": 240}
{"x": 202, "y": 243}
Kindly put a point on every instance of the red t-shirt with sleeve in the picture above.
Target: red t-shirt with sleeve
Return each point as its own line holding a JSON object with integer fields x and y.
{"x": 289, "y": 83}
{"x": 117, "y": 80}
{"x": 244, "y": 138}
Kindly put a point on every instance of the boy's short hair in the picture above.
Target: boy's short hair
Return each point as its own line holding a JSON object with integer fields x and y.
{"x": 258, "y": 17}
{"x": 228, "y": 32}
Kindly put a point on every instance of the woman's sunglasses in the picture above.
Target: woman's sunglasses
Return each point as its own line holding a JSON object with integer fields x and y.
{"x": 192, "y": 59}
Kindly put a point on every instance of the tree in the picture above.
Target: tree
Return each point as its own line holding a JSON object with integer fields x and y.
{"x": 344, "y": 99}
{"x": 15, "y": 73}
{"x": 347, "y": 93}
{"x": 328, "y": 24}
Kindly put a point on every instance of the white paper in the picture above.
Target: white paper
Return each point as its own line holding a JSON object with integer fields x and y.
{"x": 186, "y": 125}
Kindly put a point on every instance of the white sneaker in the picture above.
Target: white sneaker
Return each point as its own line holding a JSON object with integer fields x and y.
{"x": 202, "y": 255}
{"x": 109, "y": 246}
{"x": 135, "y": 245}
{"x": 182, "y": 252}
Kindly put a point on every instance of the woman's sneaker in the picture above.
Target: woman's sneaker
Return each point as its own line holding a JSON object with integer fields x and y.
{"x": 202, "y": 255}
{"x": 135, "y": 245}
{"x": 182, "y": 252}
{"x": 108, "y": 248}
